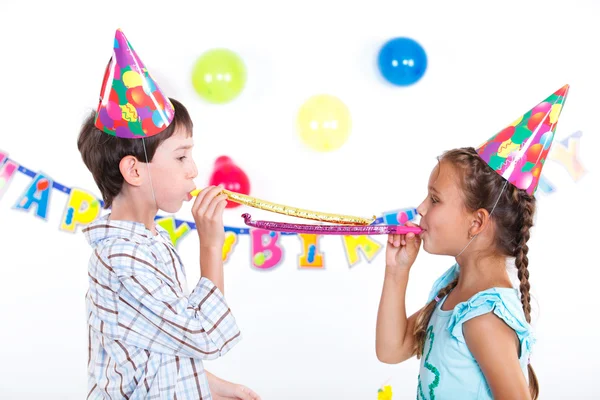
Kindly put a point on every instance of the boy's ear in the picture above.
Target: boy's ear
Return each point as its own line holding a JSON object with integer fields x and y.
{"x": 129, "y": 169}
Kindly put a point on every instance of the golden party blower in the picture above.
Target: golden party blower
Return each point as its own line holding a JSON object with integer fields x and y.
{"x": 292, "y": 211}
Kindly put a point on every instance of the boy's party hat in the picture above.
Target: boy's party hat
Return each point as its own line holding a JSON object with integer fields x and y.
{"x": 131, "y": 103}
{"x": 518, "y": 152}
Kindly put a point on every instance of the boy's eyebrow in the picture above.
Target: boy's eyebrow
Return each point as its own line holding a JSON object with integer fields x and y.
{"x": 184, "y": 147}
{"x": 431, "y": 188}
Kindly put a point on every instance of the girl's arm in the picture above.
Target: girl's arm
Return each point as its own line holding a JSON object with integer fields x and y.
{"x": 394, "y": 340}
{"x": 495, "y": 346}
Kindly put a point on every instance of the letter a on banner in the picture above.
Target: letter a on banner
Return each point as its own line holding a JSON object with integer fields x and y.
{"x": 38, "y": 195}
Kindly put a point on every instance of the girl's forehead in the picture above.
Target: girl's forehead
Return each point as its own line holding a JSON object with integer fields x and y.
{"x": 443, "y": 176}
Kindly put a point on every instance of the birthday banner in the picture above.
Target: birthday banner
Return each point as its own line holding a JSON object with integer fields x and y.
{"x": 267, "y": 252}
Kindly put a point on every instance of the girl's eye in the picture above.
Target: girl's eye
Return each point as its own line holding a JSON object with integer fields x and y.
{"x": 433, "y": 200}
{"x": 181, "y": 158}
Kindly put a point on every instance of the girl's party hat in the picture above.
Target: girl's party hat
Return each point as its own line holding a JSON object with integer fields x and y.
{"x": 131, "y": 103}
{"x": 518, "y": 152}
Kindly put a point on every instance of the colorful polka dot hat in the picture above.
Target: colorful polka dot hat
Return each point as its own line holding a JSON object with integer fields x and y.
{"x": 131, "y": 103}
{"x": 518, "y": 152}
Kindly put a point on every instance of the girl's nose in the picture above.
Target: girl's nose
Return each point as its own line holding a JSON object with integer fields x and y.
{"x": 422, "y": 210}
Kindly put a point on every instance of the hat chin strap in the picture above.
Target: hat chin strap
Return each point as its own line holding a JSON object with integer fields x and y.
{"x": 467, "y": 245}
{"x": 149, "y": 175}
{"x": 493, "y": 208}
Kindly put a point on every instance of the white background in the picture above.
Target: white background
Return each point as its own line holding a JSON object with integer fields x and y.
{"x": 307, "y": 334}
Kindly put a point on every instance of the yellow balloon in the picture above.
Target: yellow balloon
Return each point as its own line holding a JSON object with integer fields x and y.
{"x": 507, "y": 147}
{"x": 517, "y": 121}
{"x": 132, "y": 79}
{"x": 555, "y": 112}
{"x": 324, "y": 123}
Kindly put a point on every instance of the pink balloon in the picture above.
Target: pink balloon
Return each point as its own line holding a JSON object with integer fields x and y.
{"x": 114, "y": 111}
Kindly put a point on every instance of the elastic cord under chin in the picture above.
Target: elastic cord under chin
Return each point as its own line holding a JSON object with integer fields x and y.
{"x": 493, "y": 208}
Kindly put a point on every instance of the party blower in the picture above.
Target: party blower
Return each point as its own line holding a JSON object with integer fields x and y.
{"x": 347, "y": 224}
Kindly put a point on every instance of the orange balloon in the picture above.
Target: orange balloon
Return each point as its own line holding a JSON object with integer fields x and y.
{"x": 533, "y": 153}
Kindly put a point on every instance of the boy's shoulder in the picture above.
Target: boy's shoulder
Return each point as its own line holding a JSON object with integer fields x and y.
{"x": 127, "y": 249}
{"x": 108, "y": 237}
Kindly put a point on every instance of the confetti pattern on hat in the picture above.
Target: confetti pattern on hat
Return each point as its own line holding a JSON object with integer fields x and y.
{"x": 518, "y": 152}
{"x": 131, "y": 103}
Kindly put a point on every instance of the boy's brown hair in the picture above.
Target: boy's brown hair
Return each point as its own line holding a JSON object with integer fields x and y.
{"x": 102, "y": 152}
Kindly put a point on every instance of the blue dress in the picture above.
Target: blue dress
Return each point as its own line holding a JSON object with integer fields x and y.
{"x": 448, "y": 369}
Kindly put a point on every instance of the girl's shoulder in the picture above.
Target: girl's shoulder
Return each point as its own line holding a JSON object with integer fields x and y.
{"x": 505, "y": 303}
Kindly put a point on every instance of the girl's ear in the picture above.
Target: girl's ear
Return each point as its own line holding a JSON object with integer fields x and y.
{"x": 481, "y": 219}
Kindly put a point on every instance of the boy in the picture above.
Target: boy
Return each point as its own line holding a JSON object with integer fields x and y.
{"x": 147, "y": 339}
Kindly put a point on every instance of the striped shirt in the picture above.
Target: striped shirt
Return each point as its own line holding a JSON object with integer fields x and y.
{"x": 147, "y": 338}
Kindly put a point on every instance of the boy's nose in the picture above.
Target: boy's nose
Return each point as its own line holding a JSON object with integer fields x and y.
{"x": 193, "y": 173}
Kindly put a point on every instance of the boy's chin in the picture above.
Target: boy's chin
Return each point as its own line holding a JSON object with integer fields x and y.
{"x": 172, "y": 208}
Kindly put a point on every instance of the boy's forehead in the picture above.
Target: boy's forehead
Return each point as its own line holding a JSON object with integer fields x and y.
{"x": 179, "y": 139}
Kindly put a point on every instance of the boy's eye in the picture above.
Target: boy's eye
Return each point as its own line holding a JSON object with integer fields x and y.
{"x": 181, "y": 158}
{"x": 433, "y": 200}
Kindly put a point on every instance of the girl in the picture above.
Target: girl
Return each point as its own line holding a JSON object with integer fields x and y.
{"x": 473, "y": 337}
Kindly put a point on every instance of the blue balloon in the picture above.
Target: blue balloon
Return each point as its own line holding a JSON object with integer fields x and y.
{"x": 402, "y": 61}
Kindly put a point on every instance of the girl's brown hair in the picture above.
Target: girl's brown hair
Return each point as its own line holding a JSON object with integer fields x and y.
{"x": 513, "y": 217}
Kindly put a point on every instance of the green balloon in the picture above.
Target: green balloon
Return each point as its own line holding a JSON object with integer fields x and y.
{"x": 219, "y": 76}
